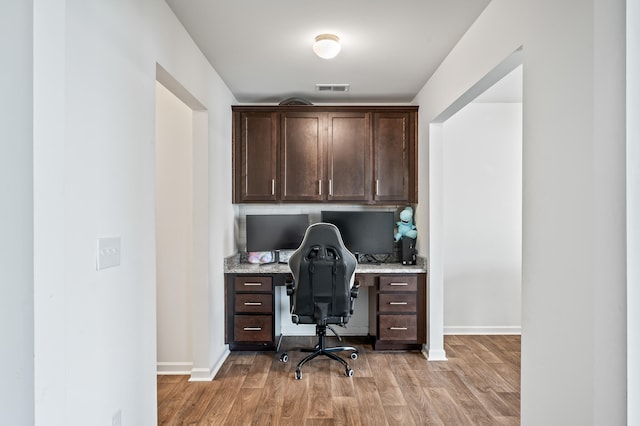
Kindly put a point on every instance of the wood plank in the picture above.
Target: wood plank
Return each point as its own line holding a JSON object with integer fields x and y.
{"x": 320, "y": 404}
{"x": 345, "y": 410}
{"x": 479, "y": 384}
{"x": 449, "y": 412}
{"x": 368, "y": 401}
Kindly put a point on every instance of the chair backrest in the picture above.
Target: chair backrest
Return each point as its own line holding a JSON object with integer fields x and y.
{"x": 323, "y": 271}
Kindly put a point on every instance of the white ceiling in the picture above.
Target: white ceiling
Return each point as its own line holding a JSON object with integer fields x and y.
{"x": 390, "y": 48}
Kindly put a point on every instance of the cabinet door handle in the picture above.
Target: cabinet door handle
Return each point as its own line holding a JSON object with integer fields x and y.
{"x": 377, "y": 186}
{"x": 252, "y": 284}
{"x": 398, "y": 303}
{"x": 252, "y": 303}
{"x": 320, "y": 187}
{"x": 399, "y": 284}
{"x": 273, "y": 187}
{"x": 398, "y": 328}
{"x": 330, "y": 186}
{"x": 252, "y": 329}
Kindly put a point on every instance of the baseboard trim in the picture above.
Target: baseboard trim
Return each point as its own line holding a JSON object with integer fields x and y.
{"x": 480, "y": 330}
{"x": 173, "y": 368}
{"x": 434, "y": 355}
{"x": 207, "y": 374}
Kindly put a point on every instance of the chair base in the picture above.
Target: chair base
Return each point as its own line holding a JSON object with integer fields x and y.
{"x": 321, "y": 349}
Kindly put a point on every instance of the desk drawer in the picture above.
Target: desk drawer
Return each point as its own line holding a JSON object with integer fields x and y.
{"x": 254, "y": 303}
{"x": 398, "y": 283}
{"x": 253, "y": 284}
{"x": 397, "y": 327}
{"x": 397, "y": 302}
{"x": 253, "y": 328}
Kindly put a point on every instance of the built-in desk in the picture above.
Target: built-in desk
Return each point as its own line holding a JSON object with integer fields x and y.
{"x": 397, "y": 304}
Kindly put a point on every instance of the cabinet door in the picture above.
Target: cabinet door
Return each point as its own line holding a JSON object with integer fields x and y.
{"x": 258, "y": 156}
{"x": 348, "y": 157}
{"x": 302, "y": 154}
{"x": 391, "y": 133}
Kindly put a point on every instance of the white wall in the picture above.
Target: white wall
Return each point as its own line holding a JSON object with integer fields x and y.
{"x": 573, "y": 291}
{"x": 633, "y": 210}
{"x": 174, "y": 239}
{"x": 95, "y": 338}
{"x": 482, "y": 162}
{"x": 16, "y": 226}
{"x": 481, "y": 58}
{"x": 574, "y": 262}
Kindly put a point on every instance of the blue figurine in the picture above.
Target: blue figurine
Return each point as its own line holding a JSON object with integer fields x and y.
{"x": 406, "y": 228}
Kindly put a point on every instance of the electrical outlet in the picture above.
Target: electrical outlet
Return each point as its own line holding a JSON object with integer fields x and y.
{"x": 116, "y": 420}
{"x": 108, "y": 254}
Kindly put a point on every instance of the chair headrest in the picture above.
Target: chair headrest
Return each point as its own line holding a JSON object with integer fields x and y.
{"x": 322, "y": 240}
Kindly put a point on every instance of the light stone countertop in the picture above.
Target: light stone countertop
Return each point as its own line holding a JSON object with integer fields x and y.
{"x": 233, "y": 265}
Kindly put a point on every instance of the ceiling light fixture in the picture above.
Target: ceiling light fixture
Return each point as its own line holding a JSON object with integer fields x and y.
{"x": 327, "y": 46}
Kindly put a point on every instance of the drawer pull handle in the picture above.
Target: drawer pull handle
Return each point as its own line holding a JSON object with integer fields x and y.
{"x": 252, "y": 303}
{"x": 399, "y": 284}
{"x": 398, "y": 328}
{"x": 398, "y": 303}
{"x": 252, "y": 329}
{"x": 253, "y": 284}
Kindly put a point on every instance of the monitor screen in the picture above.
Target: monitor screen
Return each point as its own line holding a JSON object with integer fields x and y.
{"x": 271, "y": 232}
{"x": 363, "y": 232}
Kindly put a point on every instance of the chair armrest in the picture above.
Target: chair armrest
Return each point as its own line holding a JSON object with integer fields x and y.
{"x": 290, "y": 285}
{"x": 355, "y": 289}
{"x": 354, "y": 294}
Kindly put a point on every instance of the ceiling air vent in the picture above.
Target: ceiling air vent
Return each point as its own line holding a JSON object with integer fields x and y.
{"x": 332, "y": 87}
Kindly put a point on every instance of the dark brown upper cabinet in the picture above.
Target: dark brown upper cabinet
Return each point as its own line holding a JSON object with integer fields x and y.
{"x": 256, "y": 142}
{"x": 360, "y": 155}
{"x": 394, "y": 170}
{"x": 302, "y": 156}
{"x": 349, "y": 156}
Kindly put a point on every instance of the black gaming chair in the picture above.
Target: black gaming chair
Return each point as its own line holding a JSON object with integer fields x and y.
{"x": 322, "y": 292}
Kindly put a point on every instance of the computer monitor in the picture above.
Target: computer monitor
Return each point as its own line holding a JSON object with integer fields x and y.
{"x": 274, "y": 232}
{"x": 363, "y": 232}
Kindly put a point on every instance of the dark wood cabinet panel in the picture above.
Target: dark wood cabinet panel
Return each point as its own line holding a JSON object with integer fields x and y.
{"x": 348, "y": 157}
{"x": 256, "y": 178}
{"x": 398, "y": 327}
{"x": 253, "y": 328}
{"x": 402, "y": 283}
{"x": 302, "y": 154}
{"x": 254, "y": 303}
{"x": 253, "y": 284}
{"x": 389, "y": 302}
{"x": 358, "y": 154}
{"x": 391, "y": 147}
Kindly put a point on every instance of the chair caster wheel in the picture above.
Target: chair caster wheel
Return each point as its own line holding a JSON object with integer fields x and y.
{"x": 284, "y": 358}
{"x": 349, "y": 372}
{"x": 298, "y": 375}
{"x": 354, "y": 355}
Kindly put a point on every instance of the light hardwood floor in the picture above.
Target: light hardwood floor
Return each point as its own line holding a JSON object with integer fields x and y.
{"x": 478, "y": 385}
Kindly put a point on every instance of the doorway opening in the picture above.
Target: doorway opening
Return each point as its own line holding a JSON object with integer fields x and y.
{"x": 182, "y": 229}
{"x": 436, "y": 244}
{"x": 482, "y": 222}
